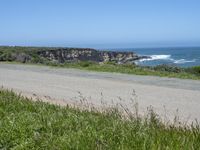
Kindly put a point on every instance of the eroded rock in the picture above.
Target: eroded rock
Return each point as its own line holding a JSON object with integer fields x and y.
{"x": 80, "y": 54}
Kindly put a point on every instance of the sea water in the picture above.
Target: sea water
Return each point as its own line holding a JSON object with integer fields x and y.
{"x": 183, "y": 57}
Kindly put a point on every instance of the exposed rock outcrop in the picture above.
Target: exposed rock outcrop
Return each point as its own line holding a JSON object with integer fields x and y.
{"x": 22, "y": 57}
{"x": 80, "y": 54}
{"x": 62, "y": 55}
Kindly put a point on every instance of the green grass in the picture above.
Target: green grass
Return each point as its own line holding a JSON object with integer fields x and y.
{"x": 25, "y": 124}
{"x": 161, "y": 71}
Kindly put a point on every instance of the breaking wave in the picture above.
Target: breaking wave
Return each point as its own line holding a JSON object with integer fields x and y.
{"x": 182, "y": 61}
{"x": 157, "y": 57}
{"x": 167, "y": 58}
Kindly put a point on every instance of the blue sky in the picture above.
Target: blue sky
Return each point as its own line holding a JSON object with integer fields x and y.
{"x": 100, "y": 23}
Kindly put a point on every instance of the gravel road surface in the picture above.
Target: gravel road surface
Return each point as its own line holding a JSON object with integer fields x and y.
{"x": 68, "y": 86}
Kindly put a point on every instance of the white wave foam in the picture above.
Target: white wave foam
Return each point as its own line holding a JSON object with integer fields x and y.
{"x": 157, "y": 57}
{"x": 167, "y": 57}
{"x": 182, "y": 61}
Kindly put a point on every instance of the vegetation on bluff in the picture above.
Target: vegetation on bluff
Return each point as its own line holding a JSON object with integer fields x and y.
{"x": 160, "y": 70}
{"x": 8, "y": 54}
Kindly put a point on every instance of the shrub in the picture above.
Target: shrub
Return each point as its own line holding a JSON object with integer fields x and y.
{"x": 168, "y": 68}
{"x": 85, "y": 63}
{"x": 7, "y": 56}
{"x": 194, "y": 70}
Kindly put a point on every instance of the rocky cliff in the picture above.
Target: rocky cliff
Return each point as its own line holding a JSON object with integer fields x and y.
{"x": 62, "y": 55}
{"x": 80, "y": 54}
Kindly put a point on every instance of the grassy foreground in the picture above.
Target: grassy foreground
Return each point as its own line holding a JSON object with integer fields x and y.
{"x": 25, "y": 124}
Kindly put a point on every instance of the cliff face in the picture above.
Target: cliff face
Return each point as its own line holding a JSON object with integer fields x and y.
{"x": 71, "y": 54}
{"x": 62, "y": 55}
{"x": 79, "y": 54}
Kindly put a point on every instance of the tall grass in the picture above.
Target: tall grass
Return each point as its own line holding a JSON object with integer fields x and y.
{"x": 25, "y": 124}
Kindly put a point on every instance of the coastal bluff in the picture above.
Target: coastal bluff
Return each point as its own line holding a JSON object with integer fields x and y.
{"x": 86, "y": 54}
{"x": 63, "y": 55}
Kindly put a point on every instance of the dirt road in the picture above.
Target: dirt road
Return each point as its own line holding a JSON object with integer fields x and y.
{"x": 64, "y": 86}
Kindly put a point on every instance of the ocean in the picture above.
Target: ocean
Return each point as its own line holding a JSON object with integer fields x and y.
{"x": 182, "y": 57}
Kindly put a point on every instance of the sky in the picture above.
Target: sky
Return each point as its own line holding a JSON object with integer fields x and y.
{"x": 100, "y": 23}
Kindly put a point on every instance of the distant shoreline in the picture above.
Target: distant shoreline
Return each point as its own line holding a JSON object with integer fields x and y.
{"x": 93, "y": 60}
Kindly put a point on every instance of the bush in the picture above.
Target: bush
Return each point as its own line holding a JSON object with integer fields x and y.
{"x": 168, "y": 68}
{"x": 111, "y": 63}
{"x": 194, "y": 70}
{"x": 7, "y": 56}
{"x": 129, "y": 66}
{"x": 85, "y": 63}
